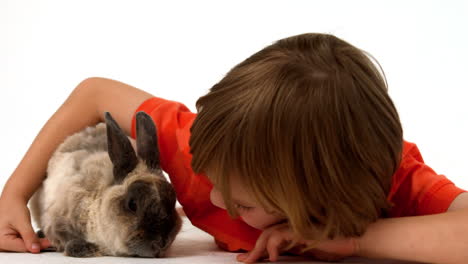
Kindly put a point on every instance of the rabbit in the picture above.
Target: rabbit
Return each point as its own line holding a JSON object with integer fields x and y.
{"x": 100, "y": 198}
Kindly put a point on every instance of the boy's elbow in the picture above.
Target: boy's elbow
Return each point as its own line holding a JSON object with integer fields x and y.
{"x": 91, "y": 84}
{"x": 86, "y": 96}
{"x": 86, "y": 86}
{"x": 98, "y": 95}
{"x": 91, "y": 88}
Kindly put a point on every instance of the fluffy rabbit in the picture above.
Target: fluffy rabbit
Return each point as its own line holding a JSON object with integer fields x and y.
{"x": 101, "y": 198}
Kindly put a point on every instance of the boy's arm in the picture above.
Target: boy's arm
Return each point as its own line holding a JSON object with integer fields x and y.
{"x": 84, "y": 107}
{"x": 438, "y": 238}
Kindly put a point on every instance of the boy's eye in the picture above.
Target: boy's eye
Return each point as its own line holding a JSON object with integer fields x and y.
{"x": 243, "y": 208}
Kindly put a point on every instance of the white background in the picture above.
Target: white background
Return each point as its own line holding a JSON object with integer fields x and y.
{"x": 179, "y": 49}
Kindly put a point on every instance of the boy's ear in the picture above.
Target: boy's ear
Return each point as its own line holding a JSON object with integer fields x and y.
{"x": 147, "y": 141}
{"x": 120, "y": 149}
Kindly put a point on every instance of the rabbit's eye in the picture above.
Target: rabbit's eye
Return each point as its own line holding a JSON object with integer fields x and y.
{"x": 132, "y": 205}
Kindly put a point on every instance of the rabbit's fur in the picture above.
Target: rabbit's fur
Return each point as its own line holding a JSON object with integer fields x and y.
{"x": 102, "y": 198}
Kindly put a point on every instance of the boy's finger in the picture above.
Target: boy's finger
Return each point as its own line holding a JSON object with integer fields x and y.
{"x": 12, "y": 243}
{"x": 241, "y": 257}
{"x": 273, "y": 246}
{"x": 45, "y": 243}
{"x": 31, "y": 241}
{"x": 256, "y": 253}
{"x": 260, "y": 250}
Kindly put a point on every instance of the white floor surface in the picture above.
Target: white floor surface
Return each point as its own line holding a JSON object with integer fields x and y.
{"x": 192, "y": 246}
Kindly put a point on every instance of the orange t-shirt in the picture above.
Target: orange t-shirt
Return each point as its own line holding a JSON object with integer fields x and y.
{"x": 416, "y": 188}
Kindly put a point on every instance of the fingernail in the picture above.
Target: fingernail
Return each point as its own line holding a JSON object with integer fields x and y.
{"x": 35, "y": 246}
{"x": 242, "y": 257}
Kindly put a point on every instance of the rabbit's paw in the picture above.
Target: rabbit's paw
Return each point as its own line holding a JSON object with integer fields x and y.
{"x": 79, "y": 248}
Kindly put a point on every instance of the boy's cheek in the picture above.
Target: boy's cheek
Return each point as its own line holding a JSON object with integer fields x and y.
{"x": 216, "y": 199}
{"x": 251, "y": 221}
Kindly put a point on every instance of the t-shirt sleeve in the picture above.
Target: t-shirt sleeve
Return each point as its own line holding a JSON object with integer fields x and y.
{"x": 420, "y": 190}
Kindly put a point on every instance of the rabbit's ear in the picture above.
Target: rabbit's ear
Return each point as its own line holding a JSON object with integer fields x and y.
{"x": 147, "y": 141}
{"x": 120, "y": 149}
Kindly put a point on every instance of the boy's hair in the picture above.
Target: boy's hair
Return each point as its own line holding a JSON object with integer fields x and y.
{"x": 308, "y": 126}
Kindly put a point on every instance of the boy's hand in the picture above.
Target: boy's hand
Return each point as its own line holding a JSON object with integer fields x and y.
{"x": 16, "y": 232}
{"x": 273, "y": 240}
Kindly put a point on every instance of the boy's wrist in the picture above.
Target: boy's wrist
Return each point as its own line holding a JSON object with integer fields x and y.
{"x": 13, "y": 198}
{"x": 12, "y": 194}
